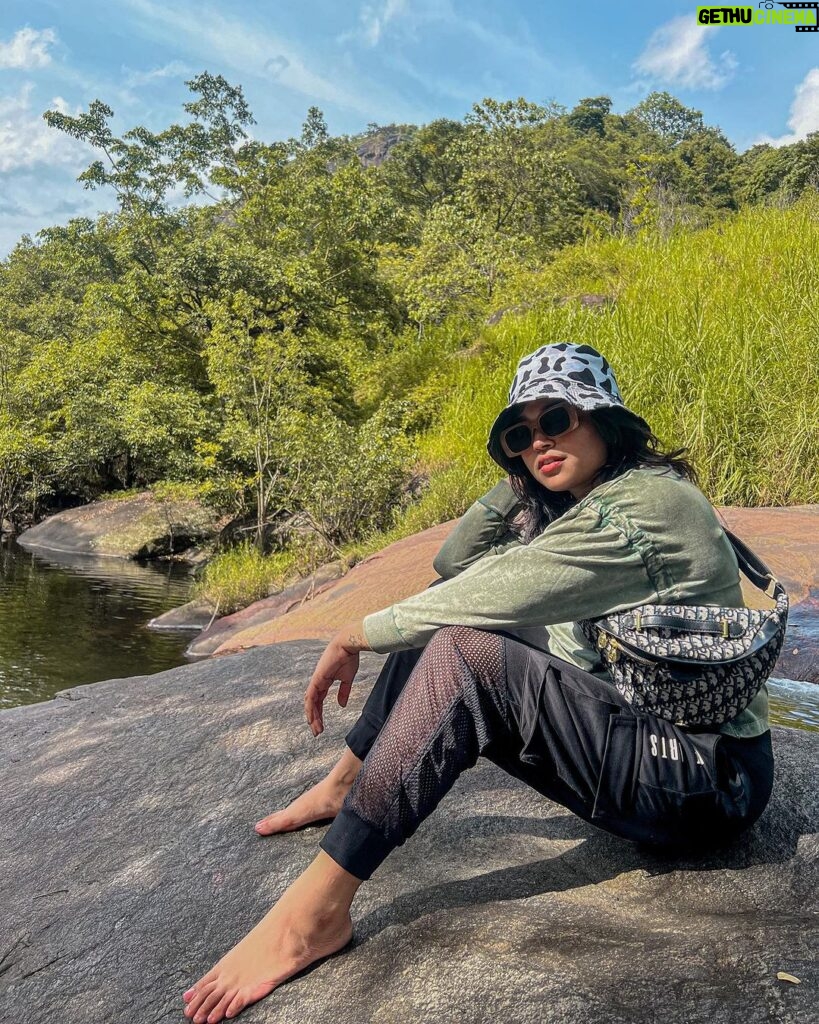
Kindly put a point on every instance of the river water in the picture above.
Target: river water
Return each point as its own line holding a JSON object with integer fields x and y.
{"x": 83, "y": 619}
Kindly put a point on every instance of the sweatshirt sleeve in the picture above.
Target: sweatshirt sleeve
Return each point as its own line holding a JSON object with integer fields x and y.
{"x": 483, "y": 529}
{"x": 581, "y": 566}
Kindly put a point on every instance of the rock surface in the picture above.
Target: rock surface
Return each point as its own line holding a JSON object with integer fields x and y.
{"x": 293, "y": 597}
{"x": 787, "y": 539}
{"x": 395, "y": 572}
{"x": 194, "y": 614}
{"x": 130, "y": 865}
{"x": 138, "y": 527}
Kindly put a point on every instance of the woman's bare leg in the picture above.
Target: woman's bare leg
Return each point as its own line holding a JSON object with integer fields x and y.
{"x": 310, "y": 921}
{"x": 324, "y": 800}
{"x": 319, "y": 803}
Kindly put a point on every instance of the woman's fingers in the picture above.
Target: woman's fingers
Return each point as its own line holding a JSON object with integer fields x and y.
{"x": 314, "y": 701}
{"x": 344, "y": 692}
{"x": 335, "y": 664}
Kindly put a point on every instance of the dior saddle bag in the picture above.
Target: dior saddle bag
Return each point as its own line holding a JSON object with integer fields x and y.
{"x": 696, "y": 665}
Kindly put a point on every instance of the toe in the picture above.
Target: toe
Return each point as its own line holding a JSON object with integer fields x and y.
{"x": 266, "y": 825}
{"x": 219, "y": 1011}
{"x": 237, "y": 1004}
{"x": 199, "y": 996}
{"x": 213, "y": 997}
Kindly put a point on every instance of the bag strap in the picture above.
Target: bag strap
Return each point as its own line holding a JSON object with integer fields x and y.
{"x": 754, "y": 568}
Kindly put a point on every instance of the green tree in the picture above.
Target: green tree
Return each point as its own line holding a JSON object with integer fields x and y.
{"x": 258, "y": 374}
{"x": 710, "y": 161}
{"x": 425, "y": 169}
{"x": 143, "y": 167}
{"x": 667, "y": 118}
{"x": 515, "y": 201}
{"x": 589, "y": 116}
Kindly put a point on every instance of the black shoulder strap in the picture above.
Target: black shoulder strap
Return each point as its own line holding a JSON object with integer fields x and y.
{"x": 754, "y": 568}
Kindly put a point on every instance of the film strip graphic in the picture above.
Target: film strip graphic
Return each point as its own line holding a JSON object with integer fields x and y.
{"x": 802, "y": 7}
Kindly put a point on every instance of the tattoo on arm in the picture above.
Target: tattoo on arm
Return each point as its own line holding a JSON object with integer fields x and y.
{"x": 356, "y": 639}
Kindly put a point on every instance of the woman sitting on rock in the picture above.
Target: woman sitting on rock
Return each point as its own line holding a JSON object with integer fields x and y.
{"x": 593, "y": 518}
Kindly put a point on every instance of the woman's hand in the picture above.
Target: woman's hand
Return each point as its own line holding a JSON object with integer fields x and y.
{"x": 339, "y": 662}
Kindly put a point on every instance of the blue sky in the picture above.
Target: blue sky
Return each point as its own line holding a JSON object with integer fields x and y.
{"x": 382, "y": 60}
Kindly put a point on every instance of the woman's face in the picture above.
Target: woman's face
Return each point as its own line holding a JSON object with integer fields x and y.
{"x": 566, "y": 463}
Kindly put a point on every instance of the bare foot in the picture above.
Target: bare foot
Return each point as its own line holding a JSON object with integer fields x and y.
{"x": 308, "y": 923}
{"x": 320, "y": 803}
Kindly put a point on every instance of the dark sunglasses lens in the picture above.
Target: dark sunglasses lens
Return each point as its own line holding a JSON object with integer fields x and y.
{"x": 518, "y": 438}
{"x": 555, "y": 422}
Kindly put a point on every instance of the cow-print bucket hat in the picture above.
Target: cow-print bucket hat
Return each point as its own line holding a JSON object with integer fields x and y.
{"x": 578, "y": 374}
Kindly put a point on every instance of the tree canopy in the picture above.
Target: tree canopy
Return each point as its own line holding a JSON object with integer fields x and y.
{"x": 249, "y": 315}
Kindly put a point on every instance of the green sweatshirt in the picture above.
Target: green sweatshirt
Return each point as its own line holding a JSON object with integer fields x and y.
{"x": 646, "y": 537}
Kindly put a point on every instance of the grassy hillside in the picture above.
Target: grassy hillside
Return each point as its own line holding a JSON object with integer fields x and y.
{"x": 714, "y": 336}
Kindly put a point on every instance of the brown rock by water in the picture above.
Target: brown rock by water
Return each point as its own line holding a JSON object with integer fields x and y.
{"x": 269, "y": 609}
{"x": 787, "y": 539}
{"x": 194, "y": 614}
{"x": 401, "y": 569}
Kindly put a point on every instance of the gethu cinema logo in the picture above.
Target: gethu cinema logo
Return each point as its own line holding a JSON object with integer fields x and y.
{"x": 803, "y": 16}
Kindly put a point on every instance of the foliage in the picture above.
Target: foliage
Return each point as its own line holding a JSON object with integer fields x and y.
{"x": 664, "y": 116}
{"x": 349, "y": 479}
{"x": 514, "y": 201}
{"x": 242, "y": 575}
{"x": 307, "y": 341}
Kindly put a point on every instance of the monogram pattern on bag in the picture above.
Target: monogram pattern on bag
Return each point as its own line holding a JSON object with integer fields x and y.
{"x": 670, "y": 643}
{"x": 698, "y": 692}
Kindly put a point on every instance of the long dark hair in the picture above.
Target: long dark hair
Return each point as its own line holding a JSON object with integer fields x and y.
{"x": 630, "y": 445}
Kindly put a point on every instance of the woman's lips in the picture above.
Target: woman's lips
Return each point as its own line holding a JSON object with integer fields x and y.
{"x": 549, "y": 465}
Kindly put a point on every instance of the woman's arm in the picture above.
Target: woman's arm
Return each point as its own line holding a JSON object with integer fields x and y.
{"x": 583, "y": 565}
{"x": 484, "y": 528}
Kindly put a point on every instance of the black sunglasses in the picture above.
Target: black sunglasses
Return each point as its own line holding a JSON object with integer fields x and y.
{"x": 554, "y": 421}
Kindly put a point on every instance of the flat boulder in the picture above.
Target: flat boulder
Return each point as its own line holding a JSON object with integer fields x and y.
{"x": 195, "y": 615}
{"x": 130, "y": 865}
{"x": 139, "y": 527}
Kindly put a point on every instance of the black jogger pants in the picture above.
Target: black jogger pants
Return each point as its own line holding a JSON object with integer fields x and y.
{"x": 568, "y": 734}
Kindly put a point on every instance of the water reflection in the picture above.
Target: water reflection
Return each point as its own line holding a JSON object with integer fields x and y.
{"x": 794, "y": 704}
{"x": 70, "y": 619}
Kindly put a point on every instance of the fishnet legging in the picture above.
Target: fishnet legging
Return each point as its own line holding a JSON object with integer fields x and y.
{"x": 453, "y": 703}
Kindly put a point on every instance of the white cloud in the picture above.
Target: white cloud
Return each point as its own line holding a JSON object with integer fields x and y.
{"x": 804, "y": 112}
{"x": 375, "y": 19}
{"x": 28, "y": 48}
{"x": 247, "y": 48}
{"x": 175, "y": 69}
{"x": 677, "y": 54}
{"x": 26, "y": 140}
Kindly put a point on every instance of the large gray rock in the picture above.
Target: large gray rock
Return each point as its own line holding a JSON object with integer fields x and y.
{"x": 142, "y": 526}
{"x": 129, "y": 865}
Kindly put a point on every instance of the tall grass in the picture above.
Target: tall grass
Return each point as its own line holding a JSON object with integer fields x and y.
{"x": 714, "y": 337}
{"x": 235, "y": 578}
